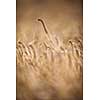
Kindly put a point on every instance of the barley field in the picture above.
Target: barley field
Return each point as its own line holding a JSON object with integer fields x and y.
{"x": 49, "y": 56}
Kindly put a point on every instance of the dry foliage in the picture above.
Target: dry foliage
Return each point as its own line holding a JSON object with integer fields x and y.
{"x": 49, "y": 70}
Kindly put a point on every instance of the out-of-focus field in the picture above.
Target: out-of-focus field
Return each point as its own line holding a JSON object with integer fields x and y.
{"x": 49, "y": 65}
{"x": 63, "y": 17}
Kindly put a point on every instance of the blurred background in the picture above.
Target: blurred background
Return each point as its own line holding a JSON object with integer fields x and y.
{"x": 62, "y": 17}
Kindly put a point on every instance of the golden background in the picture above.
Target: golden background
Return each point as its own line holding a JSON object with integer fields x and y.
{"x": 62, "y": 17}
{"x": 44, "y": 72}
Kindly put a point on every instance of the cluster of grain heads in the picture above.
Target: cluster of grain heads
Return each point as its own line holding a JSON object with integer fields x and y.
{"x": 56, "y": 70}
{"x": 46, "y": 70}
